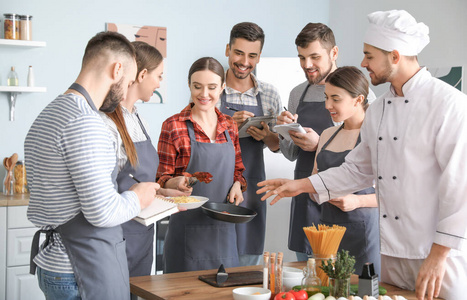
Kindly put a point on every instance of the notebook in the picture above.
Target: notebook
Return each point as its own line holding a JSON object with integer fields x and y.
{"x": 160, "y": 208}
{"x": 253, "y": 121}
{"x": 284, "y": 130}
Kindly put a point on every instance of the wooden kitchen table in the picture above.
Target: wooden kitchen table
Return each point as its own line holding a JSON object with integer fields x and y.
{"x": 186, "y": 285}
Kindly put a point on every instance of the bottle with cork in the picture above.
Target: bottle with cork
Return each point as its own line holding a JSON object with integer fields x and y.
{"x": 12, "y": 79}
{"x": 311, "y": 282}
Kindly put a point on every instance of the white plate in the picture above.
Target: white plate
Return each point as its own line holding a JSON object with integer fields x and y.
{"x": 193, "y": 205}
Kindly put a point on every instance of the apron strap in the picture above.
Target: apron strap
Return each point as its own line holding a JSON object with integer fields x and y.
{"x": 79, "y": 88}
{"x": 49, "y": 238}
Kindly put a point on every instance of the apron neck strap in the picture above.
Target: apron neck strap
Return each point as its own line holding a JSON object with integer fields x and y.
{"x": 80, "y": 89}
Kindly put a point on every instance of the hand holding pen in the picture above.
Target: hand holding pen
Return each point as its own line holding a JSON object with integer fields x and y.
{"x": 286, "y": 117}
{"x": 240, "y": 115}
{"x": 146, "y": 191}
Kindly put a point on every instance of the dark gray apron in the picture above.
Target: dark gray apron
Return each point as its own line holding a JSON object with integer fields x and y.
{"x": 193, "y": 240}
{"x": 139, "y": 238}
{"x": 304, "y": 211}
{"x": 97, "y": 254}
{"x": 250, "y": 236}
{"x": 361, "y": 238}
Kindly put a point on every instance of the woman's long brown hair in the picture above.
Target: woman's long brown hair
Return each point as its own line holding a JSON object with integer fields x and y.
{"x": 149, "y": 58}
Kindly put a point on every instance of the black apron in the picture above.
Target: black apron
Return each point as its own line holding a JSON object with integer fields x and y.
{"x": 97, "y": 254}
{"x": 304, "y": 211}
{"x": 193, "y": 240}
{"x": 361, "y": 238}
{"x": 139, "y": 238}
{"x": 250, "y": 236}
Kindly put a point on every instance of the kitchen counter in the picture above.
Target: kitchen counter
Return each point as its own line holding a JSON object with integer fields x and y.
{"x": 14, "y": 200}
{"x": 186, "y": 285}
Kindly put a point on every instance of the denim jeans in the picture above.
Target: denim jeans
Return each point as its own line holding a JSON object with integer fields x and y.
{"x": 58, "y": 286}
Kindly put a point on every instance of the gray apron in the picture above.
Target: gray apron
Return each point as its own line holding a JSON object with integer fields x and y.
{"x": 97, "y": 254}
{"x": 250, "y": 236}
{"x": 361, "y": 238}
{"x": 139, "y": 238}
{"x": 193, "y": 240}
{"x": 304, "y": 211}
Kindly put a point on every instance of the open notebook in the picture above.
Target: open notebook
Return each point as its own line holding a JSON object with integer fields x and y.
{"x": 160, "y": 208}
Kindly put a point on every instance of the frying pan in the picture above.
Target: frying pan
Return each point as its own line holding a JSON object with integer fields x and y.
{"x": 228, "y": 212}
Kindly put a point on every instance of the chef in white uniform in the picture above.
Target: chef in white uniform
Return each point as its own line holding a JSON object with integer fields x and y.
{"x": 414, "y": 145}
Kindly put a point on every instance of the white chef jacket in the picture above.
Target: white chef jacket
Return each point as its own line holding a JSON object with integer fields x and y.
{"x": 416, "y": 148}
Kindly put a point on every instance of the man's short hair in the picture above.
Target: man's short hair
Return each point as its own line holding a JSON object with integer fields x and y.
{"x": 248, "y": 31}
{"x": 316, "y": 32}
{"x": 105, "y": 42}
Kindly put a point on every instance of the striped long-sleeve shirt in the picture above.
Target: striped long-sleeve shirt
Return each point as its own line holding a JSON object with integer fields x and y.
{"x": 69, "y": 161}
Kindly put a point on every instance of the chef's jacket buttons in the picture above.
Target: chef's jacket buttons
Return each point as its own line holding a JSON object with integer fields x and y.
{"x": 406, "y": 101}
{"x": 395, "y": 138}
{"x": 380, "y": 177}
{"x": 385, "y": 216}
{"x": 396, "y": 217}
{"x": 380, "y": 138}
{"x": 394, "y": 177}
{"x": 389, "y": 102}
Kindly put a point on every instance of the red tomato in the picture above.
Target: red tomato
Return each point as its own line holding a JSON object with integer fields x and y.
{"x": 299, "y": 295}
{"x": 285, "y": 295}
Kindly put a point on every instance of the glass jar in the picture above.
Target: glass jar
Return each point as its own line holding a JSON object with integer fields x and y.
{"x": 21, "y": 185}
{"x": 11, "y": 26}
{"x": 339, "y": 287}
{"x": 319, "y": 258}
{"x": 25, "y": 25}
{"x": 311, "y": 282}
{"x": 9, "y": 183}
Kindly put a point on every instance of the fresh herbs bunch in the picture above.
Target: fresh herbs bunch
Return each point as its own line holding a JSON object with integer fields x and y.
{"x": 342, "y": 268}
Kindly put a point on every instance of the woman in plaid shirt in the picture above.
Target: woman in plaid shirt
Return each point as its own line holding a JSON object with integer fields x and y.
{"x": 201, "y": 139}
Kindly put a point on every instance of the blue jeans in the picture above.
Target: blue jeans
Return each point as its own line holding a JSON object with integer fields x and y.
{"x": 58, "y": 286}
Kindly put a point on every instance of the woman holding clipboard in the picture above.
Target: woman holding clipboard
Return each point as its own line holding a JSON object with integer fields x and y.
{"x": 135, "y": 153}
{"x": 201, "y": 139}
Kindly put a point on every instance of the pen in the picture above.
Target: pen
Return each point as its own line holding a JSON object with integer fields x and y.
{"x": 134, "y": 178}
{"x": 285, "y": 108}
{"x": 231, "y": 108}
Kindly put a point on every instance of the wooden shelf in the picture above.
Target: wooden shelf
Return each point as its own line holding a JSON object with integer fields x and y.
{"x": 21, "y": 43}
{"x": 23, "y": 89}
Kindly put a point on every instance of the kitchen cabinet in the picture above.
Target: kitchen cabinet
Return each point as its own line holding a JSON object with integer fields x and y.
{"x": 15, "y": 90}
{"x": 16, "y": 234}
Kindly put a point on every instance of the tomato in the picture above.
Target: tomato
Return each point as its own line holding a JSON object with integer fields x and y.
{"x": 284, "y": 295}
{"x": 299, "y": 295}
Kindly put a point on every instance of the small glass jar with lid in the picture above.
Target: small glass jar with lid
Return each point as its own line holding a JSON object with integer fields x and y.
{"x": 11, "y": 26}
{"x": 21, "y": 185}
{"x": 25, "y": 27}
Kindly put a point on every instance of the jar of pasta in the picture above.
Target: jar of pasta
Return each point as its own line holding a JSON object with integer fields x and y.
{"x": 21, "y": 185}
{"x": 11, "y": 26}
{"x": 25, "y": 25}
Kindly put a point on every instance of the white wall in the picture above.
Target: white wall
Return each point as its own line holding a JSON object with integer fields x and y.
{"x": 446, "y": 20}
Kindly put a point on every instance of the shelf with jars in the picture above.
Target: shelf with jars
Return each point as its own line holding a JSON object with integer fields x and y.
{"x": 22, "y": 43}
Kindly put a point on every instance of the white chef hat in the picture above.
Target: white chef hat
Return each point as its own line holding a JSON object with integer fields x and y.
{"x": 396, "y": 30}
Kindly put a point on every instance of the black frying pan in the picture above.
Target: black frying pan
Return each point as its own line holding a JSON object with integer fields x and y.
{"x": 228, "y": 212}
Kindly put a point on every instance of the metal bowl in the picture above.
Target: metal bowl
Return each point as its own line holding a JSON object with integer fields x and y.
{"x": 228, "y": 212}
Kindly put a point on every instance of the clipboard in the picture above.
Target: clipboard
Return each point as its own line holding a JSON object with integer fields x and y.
{"x": 284, "y": 129}
{"x": 253, "y": 121}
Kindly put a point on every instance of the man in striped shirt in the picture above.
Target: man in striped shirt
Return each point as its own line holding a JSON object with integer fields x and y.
{"x": 70, "y": 161}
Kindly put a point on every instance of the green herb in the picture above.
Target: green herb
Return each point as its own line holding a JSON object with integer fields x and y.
{"x": 342, "y": 268}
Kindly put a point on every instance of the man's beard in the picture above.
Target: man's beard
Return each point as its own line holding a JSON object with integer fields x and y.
{"x": 321, "y": 76}
{"x": 384, "y": 77}
{"x": 113, "y": 97}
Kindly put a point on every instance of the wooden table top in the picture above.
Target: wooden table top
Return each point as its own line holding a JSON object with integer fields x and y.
{"x": 186, "y": 285}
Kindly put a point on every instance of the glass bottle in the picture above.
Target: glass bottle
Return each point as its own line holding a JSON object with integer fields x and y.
{"x": 12, "y": 77}
{"x": 9, "y": 183}
{"x": 311, "y": 282}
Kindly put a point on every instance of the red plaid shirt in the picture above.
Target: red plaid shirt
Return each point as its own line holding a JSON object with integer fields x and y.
{"x": 174, "y": 145}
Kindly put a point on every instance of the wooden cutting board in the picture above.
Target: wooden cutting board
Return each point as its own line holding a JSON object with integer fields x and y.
{"x": 239, "y": 278}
